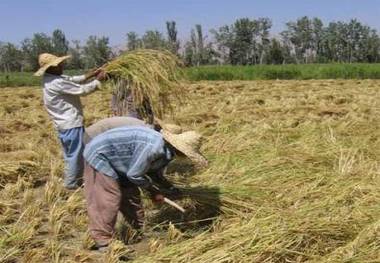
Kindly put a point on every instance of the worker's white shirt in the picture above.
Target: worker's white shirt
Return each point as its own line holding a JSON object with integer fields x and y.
{"x": 62, "y": 99}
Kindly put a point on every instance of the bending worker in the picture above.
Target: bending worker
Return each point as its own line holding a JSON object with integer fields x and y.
{"x": 61, "y": 96}
{"x": 118, "y": 162}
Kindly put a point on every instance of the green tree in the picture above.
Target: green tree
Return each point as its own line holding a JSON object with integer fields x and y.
{"x": 262, "y": 41}
{"x": 350, "y": 42}
{"x": 318, "y": 38}
{"x": 133, "y": 41}
{"x": 10, "y": 58}
{"x": 242, "y": 47}
{"x": 372, "y": 47}
{"x": 224, "y": 38}
{"x": 191, "y": 49}
{"x": 245, "y": 42}
{"x": 60, "y": 44}
{"x": 173, "y": 42}
{"x": 76, "y": 61}
{"x": 153, "y": 39}
{"x": 275, "y": 52}
{"x": 300, "y": 35}
{"x": 96, "y": 52}
{"x": 197, "y": 50}
{"x": 198, "y": 43}
{"x": 40, "y": 43}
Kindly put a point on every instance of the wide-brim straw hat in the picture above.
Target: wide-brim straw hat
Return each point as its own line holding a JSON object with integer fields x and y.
{"x": 188, "y": 143}
{"x": 173, "y": 128}
{"x": 47, "y": 60}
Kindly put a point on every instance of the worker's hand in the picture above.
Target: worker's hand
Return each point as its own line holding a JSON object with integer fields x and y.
{"x": 93, "y": 73}
{"x": 155, "y": 194}
{"x": 102, "y": 75}
{"x": 158, "y": 198}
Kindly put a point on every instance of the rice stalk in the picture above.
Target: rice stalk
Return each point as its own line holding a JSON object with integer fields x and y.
{"x": 293, "y": 177}
{"x": 54, "y": 249}
{"x": 86, "y": 240}
{"x": 57, "y": 216}
{"x": 11, "y": 190}
{"x": 365, "y": 247}
{"x": 20, "y": 233}
{"x": 117, "y": 252}
{"x": 152, "y": 77}
{"x": 53, "y": 190}
{"x": 11, "y": 170}
{"x": 9, "y": 255}
{"x": 173, "y": 234}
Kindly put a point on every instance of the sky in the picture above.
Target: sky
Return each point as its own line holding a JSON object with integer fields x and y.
{"x": 114, "y": 18}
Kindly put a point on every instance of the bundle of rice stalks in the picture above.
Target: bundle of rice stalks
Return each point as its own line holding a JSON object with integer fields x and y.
{"x": 10, "y": 171}
{"x": 151, "y": 77}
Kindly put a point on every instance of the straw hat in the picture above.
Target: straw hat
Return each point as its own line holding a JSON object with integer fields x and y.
{"x": 172, "y": 128}
{"x": 187, "y": 143}
{"x": 47, "y": 60}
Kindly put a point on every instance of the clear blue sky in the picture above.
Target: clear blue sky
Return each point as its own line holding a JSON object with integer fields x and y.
{"x": 113, "y": 18}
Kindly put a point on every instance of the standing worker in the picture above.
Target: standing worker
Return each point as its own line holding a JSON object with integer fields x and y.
{"x": 119, "y": 161}
{"x": 61, "y": 96}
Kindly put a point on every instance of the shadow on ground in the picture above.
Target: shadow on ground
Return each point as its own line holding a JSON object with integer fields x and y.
{"x": 183, "y": 167}
{"x": 202, "y": 205}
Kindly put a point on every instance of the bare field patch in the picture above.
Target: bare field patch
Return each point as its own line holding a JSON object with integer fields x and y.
{"x": 294, "y": 176}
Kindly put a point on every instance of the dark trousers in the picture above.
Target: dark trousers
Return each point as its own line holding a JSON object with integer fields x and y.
{"x": 105, "y": 196}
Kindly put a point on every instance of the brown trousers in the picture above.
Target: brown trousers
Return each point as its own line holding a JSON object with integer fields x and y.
{"x": 105, "y": 196}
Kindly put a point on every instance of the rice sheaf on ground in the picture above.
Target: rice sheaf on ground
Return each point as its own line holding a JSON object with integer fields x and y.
{"x": 294, "y": 176}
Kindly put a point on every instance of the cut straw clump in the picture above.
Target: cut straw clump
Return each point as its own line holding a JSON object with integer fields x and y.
{"x": 10, "y": 171}
{"x": 152, "y": 77}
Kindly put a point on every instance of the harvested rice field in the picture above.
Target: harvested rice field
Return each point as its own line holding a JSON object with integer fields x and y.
{"x": 294, "y": 176}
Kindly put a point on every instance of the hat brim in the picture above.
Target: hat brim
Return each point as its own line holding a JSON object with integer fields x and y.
{"x": 54, "y": 63}
{"x": 184, "y": 148}
{"x": 173, "y": 128}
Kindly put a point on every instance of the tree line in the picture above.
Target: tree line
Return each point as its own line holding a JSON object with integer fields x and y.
{"x": 245, "y": 42}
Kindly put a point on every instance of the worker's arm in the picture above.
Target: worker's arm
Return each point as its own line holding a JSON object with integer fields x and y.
{"x": 159, "y": 179}
{"x": 164, "y": 184}
{"x": 142, "y": 162}
{"x": 75, "y": 79}
{"x": 136, "y": 173}
{"x": 81, "y": 78}
{"x": 69, "y": 87}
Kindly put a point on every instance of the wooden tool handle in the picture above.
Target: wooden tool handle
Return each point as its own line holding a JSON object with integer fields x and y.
{"x": 174, "y": 204}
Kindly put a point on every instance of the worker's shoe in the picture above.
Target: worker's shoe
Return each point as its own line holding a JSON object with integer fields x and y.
{"x": 72, "y": 188}
{"x": 100, "y": 248}
{"x": 74, "y": 185}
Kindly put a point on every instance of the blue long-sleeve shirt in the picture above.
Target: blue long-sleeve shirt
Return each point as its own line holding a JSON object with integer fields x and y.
{"x": 127, "y": 152}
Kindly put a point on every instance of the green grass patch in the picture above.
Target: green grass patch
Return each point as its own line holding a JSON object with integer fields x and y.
{"x": 301, "y": 72}
{"x": 17, "y": 79}
{"x": 225, "y": 73}
{"x": 22, "y": 79}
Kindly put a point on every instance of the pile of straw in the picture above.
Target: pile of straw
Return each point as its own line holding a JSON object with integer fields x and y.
{"x": 152, "y": 77}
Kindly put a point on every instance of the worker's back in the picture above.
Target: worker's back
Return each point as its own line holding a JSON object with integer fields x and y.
{"x": 110, "y": 123}
{"x": 125, "y": 151}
